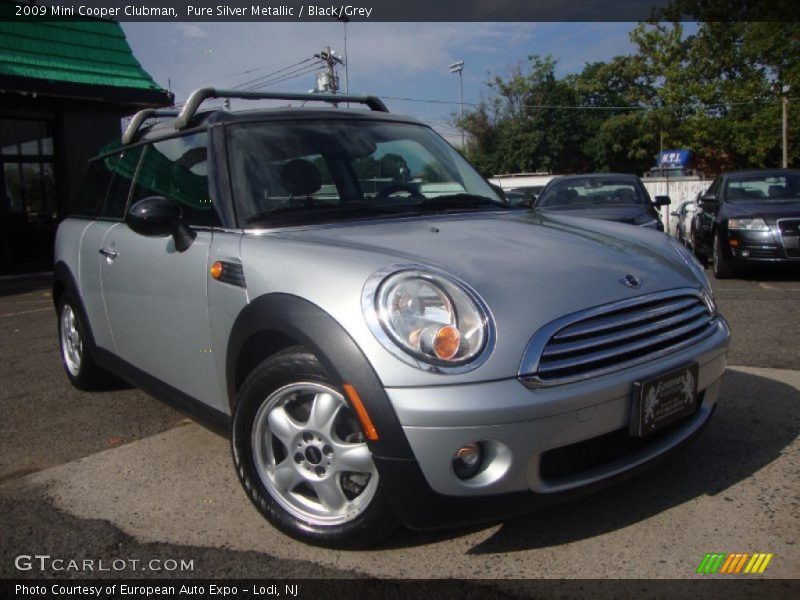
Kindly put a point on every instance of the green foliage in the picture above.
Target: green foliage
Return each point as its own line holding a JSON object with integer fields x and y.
{"x": 717, "y": 92}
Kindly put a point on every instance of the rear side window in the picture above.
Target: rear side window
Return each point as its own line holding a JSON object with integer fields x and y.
{"x": 177, "y": 168}
{"x": 124, "y": 169}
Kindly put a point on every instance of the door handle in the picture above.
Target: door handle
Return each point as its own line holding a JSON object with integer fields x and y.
{"x": 108, "y": 253}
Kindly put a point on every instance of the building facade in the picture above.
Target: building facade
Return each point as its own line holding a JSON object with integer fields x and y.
{"x": 64, "y": 85}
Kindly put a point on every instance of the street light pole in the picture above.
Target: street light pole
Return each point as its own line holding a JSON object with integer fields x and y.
{"x": 458, "y": 67}
{"x": 785, "y": 126}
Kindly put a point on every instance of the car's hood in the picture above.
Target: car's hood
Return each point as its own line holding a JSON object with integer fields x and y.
{"x": 634, "y": 215}
{"x": 770, "y": 210}
{"x": 528, "y": 268}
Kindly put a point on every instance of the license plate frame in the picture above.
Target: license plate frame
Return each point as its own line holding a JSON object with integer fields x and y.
{"x": 663, "y": 399}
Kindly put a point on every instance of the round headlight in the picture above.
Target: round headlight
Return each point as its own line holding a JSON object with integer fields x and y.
{"x": 430, "y": 318}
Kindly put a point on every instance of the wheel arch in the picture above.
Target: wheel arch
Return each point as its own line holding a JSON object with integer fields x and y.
{"x": 274, "y": 322}
{"x": 64, "y": 282}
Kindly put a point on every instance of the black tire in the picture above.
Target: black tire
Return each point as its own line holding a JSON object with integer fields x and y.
{"x": 262, "y": 388}
{"x": 722, "y": 268}
{"x": 85, "y": 374}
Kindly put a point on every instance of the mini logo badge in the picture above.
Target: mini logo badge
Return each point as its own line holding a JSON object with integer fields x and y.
{"x": 631, "y": 281}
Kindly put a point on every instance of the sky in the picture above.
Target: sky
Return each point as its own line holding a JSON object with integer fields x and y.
{"x": 390, "y": 60}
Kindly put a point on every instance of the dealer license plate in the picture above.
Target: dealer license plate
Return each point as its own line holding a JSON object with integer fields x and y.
{"x": 664, "y": 399}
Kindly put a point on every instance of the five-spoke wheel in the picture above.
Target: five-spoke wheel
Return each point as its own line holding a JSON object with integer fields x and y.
{"x": 302, "y": 458}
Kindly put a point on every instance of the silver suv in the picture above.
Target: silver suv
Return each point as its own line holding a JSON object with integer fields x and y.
{"x": 383, "y": 338}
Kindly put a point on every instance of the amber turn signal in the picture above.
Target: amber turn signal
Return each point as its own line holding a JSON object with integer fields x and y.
{"x": 216, "y": 270}
{"x": 446, "y": 342}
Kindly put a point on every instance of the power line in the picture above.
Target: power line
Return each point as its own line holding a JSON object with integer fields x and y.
{"x": 270, "y": 75}
{"x": 285, "y": 77}
{"x": 587, "y": 107}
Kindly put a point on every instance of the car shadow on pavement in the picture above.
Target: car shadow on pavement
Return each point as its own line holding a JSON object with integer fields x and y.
{"x": 756, "y": 418}
{"x": 744, "y": 435}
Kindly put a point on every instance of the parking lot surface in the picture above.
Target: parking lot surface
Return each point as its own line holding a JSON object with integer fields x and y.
{"x": 118, "y": 474}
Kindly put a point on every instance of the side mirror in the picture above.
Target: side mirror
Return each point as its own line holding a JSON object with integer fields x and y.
{"x": 708, "y": 198}
{"x": 156, "y": 216}
{"x": 662, "y": 201}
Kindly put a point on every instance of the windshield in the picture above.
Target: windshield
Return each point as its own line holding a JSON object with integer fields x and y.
{"x": 783, "y": 187}
{"x": 295, "y": 172}
{"x": 592, "y": 193}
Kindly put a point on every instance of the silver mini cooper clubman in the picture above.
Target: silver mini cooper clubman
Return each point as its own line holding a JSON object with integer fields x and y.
{"x": 385, "y": 340}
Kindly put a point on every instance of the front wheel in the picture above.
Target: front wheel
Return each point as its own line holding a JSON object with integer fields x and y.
{"x": 301, "y": 455}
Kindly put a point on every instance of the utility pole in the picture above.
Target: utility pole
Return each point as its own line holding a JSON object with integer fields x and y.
{"x": 458, "y": 67}
{"x": 785, "y": 126}
{"x": 345, "y": 20}
{"x": 328, "y": 82}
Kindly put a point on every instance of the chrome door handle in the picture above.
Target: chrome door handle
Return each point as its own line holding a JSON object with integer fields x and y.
{"x": 108, "y": 253}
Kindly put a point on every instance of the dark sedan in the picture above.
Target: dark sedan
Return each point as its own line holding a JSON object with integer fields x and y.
{"x": 609, "y": 196}
{"x": 749, "y": 217}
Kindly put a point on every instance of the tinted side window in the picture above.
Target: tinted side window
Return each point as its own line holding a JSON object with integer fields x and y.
{"x": 177, "y": 168}
{"x": 124, "y": 170}
{"x": 92, "y": 193}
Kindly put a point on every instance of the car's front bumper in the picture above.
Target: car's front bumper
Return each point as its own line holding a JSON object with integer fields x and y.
{"x": 752, "y": 247}
{"x": 518, "y": 425}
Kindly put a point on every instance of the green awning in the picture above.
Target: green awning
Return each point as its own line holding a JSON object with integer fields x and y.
{"x": 82, "y": 51}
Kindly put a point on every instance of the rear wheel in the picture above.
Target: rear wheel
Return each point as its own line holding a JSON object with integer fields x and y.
{"x": 302, "y": 458}
{"x": 722, "y": 267}
{"x": 78, "y": 362}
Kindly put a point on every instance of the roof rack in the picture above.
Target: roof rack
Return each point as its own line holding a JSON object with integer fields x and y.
{"x": 140, "y": 117}
{"x": 199, "y": 96}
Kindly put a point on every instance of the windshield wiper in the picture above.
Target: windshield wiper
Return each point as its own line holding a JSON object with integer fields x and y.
{"x": 461, "y": 201}
{"x": 332, "y": 210}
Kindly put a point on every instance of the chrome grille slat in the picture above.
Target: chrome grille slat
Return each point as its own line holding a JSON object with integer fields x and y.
{"x": 624, "y": 318}
{"x": 604, "y": 355}
{"x": 611, "y": 337}
{"x": 593, "y": 342}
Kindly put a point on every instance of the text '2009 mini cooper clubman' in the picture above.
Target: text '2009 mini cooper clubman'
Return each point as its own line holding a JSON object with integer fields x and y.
{"x": 385, "y": 339}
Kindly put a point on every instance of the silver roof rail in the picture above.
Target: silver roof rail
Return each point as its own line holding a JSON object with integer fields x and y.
{"x": 199, "y": 96}
{"x": 140, "y": 117}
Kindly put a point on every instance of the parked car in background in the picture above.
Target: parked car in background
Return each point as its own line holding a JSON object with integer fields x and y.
{"x": 749, "y": 218}
{"x": 517, "y": 199}
{"x": 609, "y": 196}
{"x": 378, "y": 354}
{"x": 530, "y": 184}
{"x": 683, "y": 220}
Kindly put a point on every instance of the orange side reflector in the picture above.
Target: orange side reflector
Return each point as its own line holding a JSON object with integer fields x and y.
{"x": 734, "y": 242}
{"x": 216, "y": 270}
{"x": 361, "y": 412}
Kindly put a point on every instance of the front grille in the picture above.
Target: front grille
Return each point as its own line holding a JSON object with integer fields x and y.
{"x": 617, "y": 335}
{"x": 574, "y": 459}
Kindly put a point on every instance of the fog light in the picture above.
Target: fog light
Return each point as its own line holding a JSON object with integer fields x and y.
{"x": 467, "y": 460}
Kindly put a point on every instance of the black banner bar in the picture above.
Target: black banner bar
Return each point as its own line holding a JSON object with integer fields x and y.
{"x": 709, "y": 588}
{"x": 410, "y": 10}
